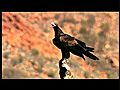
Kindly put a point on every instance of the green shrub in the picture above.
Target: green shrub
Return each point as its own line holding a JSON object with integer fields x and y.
{"x": 13, "y": 73}
{"x": 46, "y": 30}
{"x": 110, "y": 74}
{"x": 102, "y": 35}
{"x": 35, "y": 52}
{"x": 40, "y": 69}
{"x": 86, "y": 74}
{"x": 83, "y": 23}
{"x": 41, "y": 61}
{"x": 6, "y": 55}
{"x": 91, "y": 21}
{"x": 57, "y": 16}
{"x": 105, "y": 26}
{"x": 51, "y": 74}
{"x": 96, "y": 73}
{"x": 82, "y": 30}
{"x": 15, "y": 61}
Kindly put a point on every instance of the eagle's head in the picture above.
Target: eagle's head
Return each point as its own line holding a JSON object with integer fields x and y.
{"x": 53, "y": 24}
{"x": 56, "y": 29}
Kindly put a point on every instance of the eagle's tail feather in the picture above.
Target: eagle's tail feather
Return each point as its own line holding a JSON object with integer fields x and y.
{"x": 90, "y": 55}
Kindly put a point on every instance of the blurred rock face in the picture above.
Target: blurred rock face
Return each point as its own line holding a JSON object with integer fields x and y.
{"x": 28, "y": 52}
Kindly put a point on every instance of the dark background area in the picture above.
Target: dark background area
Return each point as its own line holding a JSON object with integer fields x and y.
{"x": 62, "y": 5}
{"x": 107, "y": 5}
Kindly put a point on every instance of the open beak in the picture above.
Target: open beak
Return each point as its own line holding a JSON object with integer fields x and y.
{"x": 53, "y": 24}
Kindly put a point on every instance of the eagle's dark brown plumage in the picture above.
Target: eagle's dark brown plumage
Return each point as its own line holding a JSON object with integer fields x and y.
{"x": 69, "y": 44}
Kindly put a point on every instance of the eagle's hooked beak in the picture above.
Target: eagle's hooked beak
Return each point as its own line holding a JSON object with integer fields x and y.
{"x": 53, "y": 24}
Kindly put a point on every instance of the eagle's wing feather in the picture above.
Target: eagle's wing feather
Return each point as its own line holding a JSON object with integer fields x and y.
{"x": 84, "y": 45}
{"x": 76, "y": 48}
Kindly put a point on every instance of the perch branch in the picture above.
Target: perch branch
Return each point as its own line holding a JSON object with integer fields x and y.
{"x": 64, "y": 71}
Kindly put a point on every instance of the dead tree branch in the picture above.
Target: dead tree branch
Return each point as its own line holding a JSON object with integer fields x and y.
{"x": 64, "y": 71}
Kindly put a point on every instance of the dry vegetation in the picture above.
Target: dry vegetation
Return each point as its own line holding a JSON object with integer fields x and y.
{"x": 28, "y": 52}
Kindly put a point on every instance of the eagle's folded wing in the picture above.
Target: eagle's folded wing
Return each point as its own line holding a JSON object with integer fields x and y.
{"x": 76, "y": 48}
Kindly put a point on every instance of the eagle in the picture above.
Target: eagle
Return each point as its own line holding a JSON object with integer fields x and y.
{"x": 67, "y": 44}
